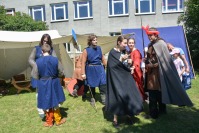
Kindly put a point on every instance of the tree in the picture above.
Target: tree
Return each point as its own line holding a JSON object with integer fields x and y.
{"x": 19, "y": 22}
{"x": 191, "y": 21}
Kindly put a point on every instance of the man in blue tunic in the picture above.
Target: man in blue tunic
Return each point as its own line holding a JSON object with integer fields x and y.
{"x": 92, "y": 67}
{"x": 50, "y": 91}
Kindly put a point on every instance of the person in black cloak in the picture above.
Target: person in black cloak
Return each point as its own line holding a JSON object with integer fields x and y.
{"x": 123, "y": 97}
{"x": 162, "y": 80}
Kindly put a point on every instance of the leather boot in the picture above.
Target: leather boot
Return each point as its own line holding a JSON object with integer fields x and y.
{"x": 103, "y": 97}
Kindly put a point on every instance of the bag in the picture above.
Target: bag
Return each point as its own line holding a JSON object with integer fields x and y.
{"x": 186, "y": 81}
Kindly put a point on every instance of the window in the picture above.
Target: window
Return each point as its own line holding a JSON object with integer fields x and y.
{"x": 37, "y": 13}
{"x": 144, "y": 6}
{"x": 83, "y": 9}
{"x": 118, "y": 7}
{"x": 70, "y": 48}
{"x": 59, "y": 11}
{"x": 10, "y": 11}
{"x": 115, "y": 33}
{"x": 172, "y": 6}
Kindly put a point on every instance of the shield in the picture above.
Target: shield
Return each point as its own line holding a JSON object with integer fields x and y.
{"x": 69, "y": 85}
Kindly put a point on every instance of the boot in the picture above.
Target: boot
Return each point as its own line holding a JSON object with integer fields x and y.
{"x": 92, "y": 102}
{"x": 103, "y": 97}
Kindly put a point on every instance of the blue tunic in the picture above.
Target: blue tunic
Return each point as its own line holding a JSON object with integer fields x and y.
{"x": 38, "y": 54}
{"x": 95, "y": 73}
{"x": 50, "y": 91}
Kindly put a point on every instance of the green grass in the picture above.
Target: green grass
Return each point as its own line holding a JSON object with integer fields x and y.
{"x": 18, "y": 114}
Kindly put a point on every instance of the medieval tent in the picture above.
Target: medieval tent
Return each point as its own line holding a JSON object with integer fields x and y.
{"x": 174, "y": 35}
{"x": 15, "y": 48}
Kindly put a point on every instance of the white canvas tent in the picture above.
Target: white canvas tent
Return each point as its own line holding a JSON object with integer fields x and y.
{"x": 15, "y": 48}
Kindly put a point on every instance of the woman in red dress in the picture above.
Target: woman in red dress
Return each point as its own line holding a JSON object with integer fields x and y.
{"x": 137, "y": 59}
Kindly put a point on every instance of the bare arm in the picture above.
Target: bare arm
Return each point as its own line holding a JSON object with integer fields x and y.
{"x": 185, "y": 62}
{"x": 84, "y": 58}
{"x": 104, "y": 61}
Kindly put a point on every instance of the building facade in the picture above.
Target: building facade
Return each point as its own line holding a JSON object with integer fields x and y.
{"x": 102, "y": 17}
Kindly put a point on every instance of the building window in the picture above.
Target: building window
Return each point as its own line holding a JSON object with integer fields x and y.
{"x": 118, "y": 7}
{"x": 115, "y": 33}
{"x": 172, "y": 6}
{"x": 10, "y": 11}
{"x": 70, "y": 48}
{"x": 144, "y": 6}
{"x": 83, "y": 9}
{"x": 59, "y": 11}
{"x": 37, "y": 13}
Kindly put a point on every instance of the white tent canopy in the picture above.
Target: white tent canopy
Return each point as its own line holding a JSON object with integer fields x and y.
{"x": 15, "y": 48}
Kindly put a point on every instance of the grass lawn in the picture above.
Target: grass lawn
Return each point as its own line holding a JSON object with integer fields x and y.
{"x": 18, "y": 114}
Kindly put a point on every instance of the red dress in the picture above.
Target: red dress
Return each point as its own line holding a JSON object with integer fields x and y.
{"x": 138, "y": 75}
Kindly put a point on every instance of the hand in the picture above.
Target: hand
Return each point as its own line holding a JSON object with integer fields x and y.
{"x": 132, "y": 69}
{"x": 84, "y": 76}
{"x": 155, "y": 65}
{"x": 187, "y": 70}
{"x": 125, "y": 57}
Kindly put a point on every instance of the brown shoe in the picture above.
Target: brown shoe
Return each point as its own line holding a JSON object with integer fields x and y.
{"x": 63, "y": 120}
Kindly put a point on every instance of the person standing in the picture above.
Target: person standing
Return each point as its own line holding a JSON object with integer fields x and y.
{"x": 163, "y": 82}
{"x": 77, "y": 75}
{"x": 178, "y": 62}
{"x": 182, "y": 56}
{"x": 122, "y": 97}
{"x": 92, "y": 68}
{"x": 137, "y": 60}
{"x": 36, "y": 54}
{"x": 50, "y": 91}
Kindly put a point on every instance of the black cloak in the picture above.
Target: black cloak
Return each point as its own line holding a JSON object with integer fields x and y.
{"x": 171, "y": 86}
{"x": 123, "y": 97}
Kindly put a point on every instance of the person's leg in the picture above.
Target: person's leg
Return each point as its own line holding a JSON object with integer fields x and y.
{"x": 102, "y": 89}
{"x": 85, "y": 92}
{"x": 40, "y": 111}
{"x": 115, "y": 121}
{"x": 153, "y": 110}
{"x": 92, "y": 92}
{"x": 162, "y": 106}
{"x": 57, "y": 117}
{"x": 49, "y": 118}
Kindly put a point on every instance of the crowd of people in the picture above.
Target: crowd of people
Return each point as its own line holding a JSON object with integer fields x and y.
{"x": 123, "y": 84}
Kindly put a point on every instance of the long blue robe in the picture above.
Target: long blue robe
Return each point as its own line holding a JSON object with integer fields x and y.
{"x": 38, "y": 54}
{"x": 50, "y": 91}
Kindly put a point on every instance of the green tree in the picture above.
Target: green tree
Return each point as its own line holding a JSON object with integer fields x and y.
{"x": 191, "y": 21}
{"x": 19, "y": 22}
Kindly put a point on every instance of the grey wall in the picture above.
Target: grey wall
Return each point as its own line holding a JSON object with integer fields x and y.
{"x": 101, "y": 24}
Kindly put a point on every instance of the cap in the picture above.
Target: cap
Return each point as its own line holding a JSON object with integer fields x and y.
{"x": 175, "y": 51}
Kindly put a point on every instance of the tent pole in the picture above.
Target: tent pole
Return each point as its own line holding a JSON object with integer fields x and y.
{"x": 188, "y": 51}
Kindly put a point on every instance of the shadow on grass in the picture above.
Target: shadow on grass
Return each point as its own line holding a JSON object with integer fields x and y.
{"x": 63, "y": 112}
{"x": 9, "y": 89}
{"x": 178, "y": 119}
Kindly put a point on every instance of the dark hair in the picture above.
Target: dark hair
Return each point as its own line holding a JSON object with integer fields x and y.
{"x": 49, "y": 40}
{"x": 121, "y": 38}
{"x": 46, "y": 48}
{"x": 90, "y": 39}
